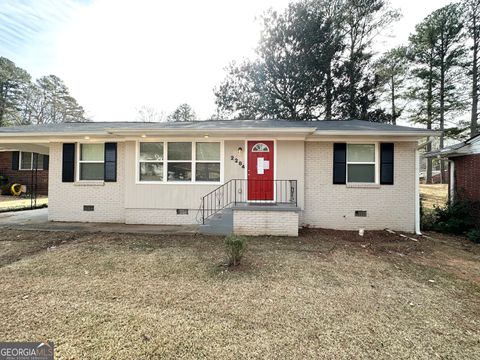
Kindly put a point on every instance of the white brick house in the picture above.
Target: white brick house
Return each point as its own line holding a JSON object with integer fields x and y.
{"x": 248, "y": 176}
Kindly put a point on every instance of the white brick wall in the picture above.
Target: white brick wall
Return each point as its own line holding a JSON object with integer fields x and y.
{"x": 326, "y": 205}
{"x": 281, "y": 223}
{"x": 66, "y": 200}
{"x": 161, "y": 217}
{"x": 333, "y": 206}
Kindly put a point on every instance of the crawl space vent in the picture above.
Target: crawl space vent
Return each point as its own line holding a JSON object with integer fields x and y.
{"x": 88, "y": 208}
{"x": 182, "y": 211}
{"x": 360, "y": 213}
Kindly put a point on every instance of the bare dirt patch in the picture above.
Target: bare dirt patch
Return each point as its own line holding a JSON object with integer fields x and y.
{"x": 324, "y": 295}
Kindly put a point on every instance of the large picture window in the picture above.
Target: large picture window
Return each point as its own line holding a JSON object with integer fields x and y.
{"x": 179, "y": 162}
{"x": 27, "y": 159}
{"x": 91, "y": 161}
{"x": 361, "y": 163}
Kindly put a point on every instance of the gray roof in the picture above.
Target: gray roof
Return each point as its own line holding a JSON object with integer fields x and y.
{"x": 459, "y": 149}
{"x": 321, "y": 125}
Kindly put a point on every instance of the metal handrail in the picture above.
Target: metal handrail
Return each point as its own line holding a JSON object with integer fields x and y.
{"x": 237, "y": 191}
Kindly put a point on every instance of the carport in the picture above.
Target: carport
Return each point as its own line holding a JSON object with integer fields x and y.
{"x": 36, "y": 149}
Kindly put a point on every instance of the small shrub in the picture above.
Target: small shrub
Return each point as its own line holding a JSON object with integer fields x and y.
{"x": 235, "y": 247}
{"x": 474, "y": 235}
{"x": 427, "y": 218}
{"x": 455, "y": 218}
{"x": 5, "y": 189}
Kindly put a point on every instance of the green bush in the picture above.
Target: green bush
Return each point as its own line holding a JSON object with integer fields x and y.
{"x": 235, "y": 247}
{"x": 474, "y": 235}
{"x": 5, "y": 189}
{"x": 427, "y": 218}
{"x": 456, "y": 217}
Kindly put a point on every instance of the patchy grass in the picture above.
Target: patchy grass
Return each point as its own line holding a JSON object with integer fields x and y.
{"x": 326, "y": 294}
{"x": 18, "y": 203}
{"x": 434, "y": 195}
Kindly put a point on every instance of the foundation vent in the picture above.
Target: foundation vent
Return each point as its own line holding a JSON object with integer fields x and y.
{"x": 361, "y": 213}
{"x": 88, "y": 208}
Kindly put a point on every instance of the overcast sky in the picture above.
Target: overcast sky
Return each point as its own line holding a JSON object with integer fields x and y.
{"x": 117, "y": 55}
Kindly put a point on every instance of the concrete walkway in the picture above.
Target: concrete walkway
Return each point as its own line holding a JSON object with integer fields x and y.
{"x": 38, "y": 220}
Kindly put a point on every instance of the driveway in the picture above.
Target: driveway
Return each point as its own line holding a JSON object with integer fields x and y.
{"x": 37, "y": 220}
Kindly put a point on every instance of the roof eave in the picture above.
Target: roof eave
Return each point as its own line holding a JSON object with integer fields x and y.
{"x": 305, "y": 130}
{"x": 418, "y": 134}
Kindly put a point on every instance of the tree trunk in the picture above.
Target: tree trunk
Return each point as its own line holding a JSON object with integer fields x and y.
{"x": 328, "y": 93}
{"x": 442, "y": 111}
{"x": 474, "y": 114}
{"x": 351, "y": 85}
{"x": 428, "y": 178}
{"x": 394, "y": 112}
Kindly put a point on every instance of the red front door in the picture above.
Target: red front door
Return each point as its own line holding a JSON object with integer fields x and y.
{"x": 260, "y": 170}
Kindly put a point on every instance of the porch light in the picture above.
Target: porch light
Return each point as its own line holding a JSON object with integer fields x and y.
{"x": 144, "y": 136}
{"x": 240, "y": 150}
{"x": 205, "y": 136}
{"x": 87, "y": 137}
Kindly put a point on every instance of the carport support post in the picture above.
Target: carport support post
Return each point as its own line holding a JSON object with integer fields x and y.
{"x": 33, "y": 182}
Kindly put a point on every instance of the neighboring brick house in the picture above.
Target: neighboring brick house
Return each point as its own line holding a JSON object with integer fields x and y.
{"x": 464, "y": 165}
{"x": 254, "y": 177}
{"x": 16, "y": 166}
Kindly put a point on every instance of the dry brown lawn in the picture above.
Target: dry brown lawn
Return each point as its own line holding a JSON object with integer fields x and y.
{"x": 324, "y": 295}
{"x": 433, "y": 195}
{"x": 23, "y": 202}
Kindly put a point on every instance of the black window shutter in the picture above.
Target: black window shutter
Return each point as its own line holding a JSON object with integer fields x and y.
{"x": 386, "y": 163}
{"x": 15, "y": 159}
{"x": 110, "y": 174}
{"x": 68, "y": 163}
{"x": 340, "y": 163}
{"x": 46, "y": 162}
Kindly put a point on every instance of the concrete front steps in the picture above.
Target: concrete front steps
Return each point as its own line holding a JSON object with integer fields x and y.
{"x": 219, "y": 224}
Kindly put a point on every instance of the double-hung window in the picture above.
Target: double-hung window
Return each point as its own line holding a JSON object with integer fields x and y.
{"x": 207, "y": 161}
{"x": 27, "y": 161}
{"x": 179, "y": 161}
{"x": 361, "y": 160}
{"x": 91, "y": 162}
{"x": 151, "y": 161}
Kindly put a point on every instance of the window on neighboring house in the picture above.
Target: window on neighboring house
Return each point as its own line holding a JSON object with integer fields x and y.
{"x": 207, "y": 161}
{"x": 27, "y": 159}
{"x": 179, "y": 161}
{"x": 361, "y": 163}
{"x": 151, "y": 161}
{"x": 91, "y": 163}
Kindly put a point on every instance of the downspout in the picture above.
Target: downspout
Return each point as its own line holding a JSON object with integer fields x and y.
{"x": 451, "y": 186}
{"x": 417, "y": 193}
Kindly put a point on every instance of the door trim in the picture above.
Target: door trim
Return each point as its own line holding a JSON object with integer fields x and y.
{"x": 274, "y": 168}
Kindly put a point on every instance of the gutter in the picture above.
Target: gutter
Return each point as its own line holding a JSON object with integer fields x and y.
{"x": 376, "y": 133}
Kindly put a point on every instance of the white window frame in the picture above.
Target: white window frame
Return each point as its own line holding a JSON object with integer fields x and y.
{"x": 375, "y": 163}
{"x": 31, "y": 162}
{"x": 78, "y": 161}
{"x": 193, "y": 161}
